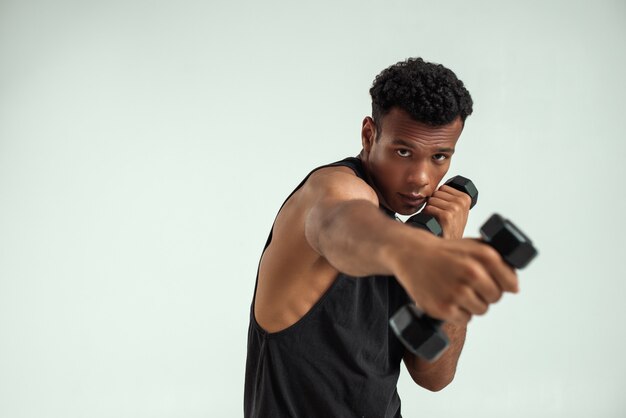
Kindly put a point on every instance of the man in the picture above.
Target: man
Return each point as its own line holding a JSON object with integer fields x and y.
{"x": 337, "y": 265}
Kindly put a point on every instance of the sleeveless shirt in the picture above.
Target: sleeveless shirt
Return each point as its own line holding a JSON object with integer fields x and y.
{"x": 340, "y": 360}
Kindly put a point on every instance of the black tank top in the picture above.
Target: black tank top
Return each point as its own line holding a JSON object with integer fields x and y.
{"x": 340, "y": 360}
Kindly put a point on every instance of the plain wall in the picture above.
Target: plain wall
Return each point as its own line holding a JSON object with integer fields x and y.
{"x": 145, "y": 147}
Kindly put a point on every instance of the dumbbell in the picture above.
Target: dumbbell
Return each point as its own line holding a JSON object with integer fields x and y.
{"x": 421, "y": 334}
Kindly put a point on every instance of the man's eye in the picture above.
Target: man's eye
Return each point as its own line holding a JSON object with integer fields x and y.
{"x": 440, "y": 157}
{"x": 404, "y": 153}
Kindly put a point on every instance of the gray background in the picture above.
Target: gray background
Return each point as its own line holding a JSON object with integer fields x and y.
{"x": 146, "y": 146}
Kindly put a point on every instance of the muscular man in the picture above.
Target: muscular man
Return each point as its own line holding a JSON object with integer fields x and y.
{"x": 337, "y": 265}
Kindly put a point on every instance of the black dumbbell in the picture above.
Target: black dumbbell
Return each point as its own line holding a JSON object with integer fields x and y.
{"x": 425, "y": 338}
{"x": 421, "y": 333}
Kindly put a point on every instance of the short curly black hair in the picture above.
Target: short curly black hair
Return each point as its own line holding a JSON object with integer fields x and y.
{"x": 430, "y": 93}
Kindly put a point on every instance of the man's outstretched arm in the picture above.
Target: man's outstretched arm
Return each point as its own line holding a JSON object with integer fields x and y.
{"x": 450, "y": 279}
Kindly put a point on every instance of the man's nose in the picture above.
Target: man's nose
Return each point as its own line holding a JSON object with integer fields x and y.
{"x": 418, "y": 177}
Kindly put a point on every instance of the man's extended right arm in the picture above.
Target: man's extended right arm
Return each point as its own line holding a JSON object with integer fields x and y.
{"x": 448, "y": 279}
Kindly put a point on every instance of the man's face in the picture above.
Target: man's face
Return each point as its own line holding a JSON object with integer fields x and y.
{"x": 408, "y": 160}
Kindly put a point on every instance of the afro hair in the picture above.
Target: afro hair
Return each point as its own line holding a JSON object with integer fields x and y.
{"x": 430, "y": 93}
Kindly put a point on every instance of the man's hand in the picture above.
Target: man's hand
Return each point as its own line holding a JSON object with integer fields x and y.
{"x": 453, "y": 279}
{"x": 450, "y": 207}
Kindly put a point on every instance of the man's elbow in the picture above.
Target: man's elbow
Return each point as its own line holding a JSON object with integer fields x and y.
{"x": 435, "y": 384}
{"x": 432, "y": 376}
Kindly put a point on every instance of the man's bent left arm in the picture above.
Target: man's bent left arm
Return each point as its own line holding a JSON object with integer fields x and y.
{"x": 451, "y": 208}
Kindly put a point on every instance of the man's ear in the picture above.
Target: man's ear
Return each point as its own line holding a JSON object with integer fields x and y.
{"x": 368, "y": 133}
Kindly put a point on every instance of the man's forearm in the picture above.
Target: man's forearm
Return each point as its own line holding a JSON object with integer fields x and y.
{"x": 450, "y": 358}
{"x": 358, "y": 239}
{"x": 437, "y": 375}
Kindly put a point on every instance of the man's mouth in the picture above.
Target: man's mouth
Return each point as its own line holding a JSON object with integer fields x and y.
{"x": 413, "y": 199}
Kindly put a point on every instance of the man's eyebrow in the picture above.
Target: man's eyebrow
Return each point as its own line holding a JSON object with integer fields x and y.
{"x": 398, "y": 141}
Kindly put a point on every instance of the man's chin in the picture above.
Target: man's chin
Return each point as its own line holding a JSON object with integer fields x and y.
{"x": 409, "y": 210}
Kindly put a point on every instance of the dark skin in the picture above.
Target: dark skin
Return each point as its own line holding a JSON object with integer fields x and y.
{"x": 333, "y": 223}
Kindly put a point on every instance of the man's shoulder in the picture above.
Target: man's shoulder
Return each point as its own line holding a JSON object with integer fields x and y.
{"x": 331, "y": 171}
{"x": 338, "y": 180}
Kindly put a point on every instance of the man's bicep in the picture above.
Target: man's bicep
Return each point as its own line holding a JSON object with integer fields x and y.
{"x": 328, "y": 191}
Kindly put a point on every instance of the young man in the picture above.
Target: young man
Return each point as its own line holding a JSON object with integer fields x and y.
{"x": 337, "y": 265}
